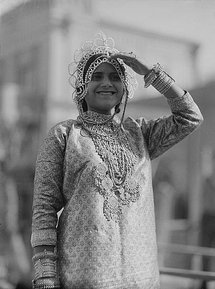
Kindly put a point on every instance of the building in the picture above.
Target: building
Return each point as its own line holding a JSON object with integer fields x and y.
{"x": 38, "y": 41}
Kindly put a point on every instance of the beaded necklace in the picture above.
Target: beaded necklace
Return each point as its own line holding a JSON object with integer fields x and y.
{"x": 114, "y": 175}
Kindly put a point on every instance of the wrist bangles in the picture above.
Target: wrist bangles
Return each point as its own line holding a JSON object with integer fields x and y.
{"x": 46, "y": 274}
{"x": 159, "y": 79}
{"x": 46, "y": 283}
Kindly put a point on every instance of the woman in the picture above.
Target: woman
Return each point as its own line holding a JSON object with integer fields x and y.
{"x": 98, "y": 168}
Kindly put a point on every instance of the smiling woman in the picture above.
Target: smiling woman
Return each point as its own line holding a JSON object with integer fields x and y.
{"x": 105, "y": 91}
{"x": 96, "y": 66}
{"x": 97, "y": 170}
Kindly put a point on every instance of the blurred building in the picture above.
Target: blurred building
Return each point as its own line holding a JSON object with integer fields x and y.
{"x": 38, "y": 40}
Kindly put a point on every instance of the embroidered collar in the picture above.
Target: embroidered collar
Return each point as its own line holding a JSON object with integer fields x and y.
{"x": 95, "y": 118}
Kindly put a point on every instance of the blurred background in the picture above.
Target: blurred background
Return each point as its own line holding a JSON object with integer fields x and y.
{"x": 37, "y": 41}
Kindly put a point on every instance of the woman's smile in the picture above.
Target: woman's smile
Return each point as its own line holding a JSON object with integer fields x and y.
{"x": 106, "y": 93}
{"x": 105, "y": 89}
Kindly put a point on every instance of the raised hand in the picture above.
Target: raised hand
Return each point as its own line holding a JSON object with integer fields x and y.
{"x": 133, "y": 62}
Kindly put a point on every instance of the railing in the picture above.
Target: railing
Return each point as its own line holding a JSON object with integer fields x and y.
{"x": 192, "y": 274}
{"x": 194, "y": 252}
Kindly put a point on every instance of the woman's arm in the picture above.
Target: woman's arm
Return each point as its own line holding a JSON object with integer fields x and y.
{"x": 48, "y": 200}
{"x": 174, "y": 91}
{"x": 41, "y": 248}
{"x": 164, "y": 132}
{"x": 143, "y": 68}
{"x": 48, "y": 184}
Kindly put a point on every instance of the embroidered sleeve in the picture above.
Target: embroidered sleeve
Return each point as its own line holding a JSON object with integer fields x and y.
{"x": 48, "y": 198}
{"x": 162, "y": 133}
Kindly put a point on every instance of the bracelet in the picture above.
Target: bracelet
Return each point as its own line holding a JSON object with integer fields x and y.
{"x": 150, "y": 77}
{"x": 46, "y": 283}
{"x": 45, "y": 268}
{"x": 159, "y": 79}
{"x": 45, "y": 264}
{"x": 163, "y": 82}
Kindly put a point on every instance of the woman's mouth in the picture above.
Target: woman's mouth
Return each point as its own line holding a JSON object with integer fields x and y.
{"x": 106, "y": 93}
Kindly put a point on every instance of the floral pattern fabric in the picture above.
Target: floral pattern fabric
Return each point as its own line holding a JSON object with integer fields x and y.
{"x": 105, "y": 238}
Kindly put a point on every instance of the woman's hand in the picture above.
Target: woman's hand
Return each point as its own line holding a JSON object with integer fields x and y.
{"x": 133, "y": 62}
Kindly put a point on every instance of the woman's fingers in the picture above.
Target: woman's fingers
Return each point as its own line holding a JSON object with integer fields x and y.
{"x": 131, "y": 60}
{"x": 124, "y": 56}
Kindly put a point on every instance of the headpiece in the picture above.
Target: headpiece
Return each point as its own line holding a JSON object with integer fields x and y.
{"x": 89, "y": 57}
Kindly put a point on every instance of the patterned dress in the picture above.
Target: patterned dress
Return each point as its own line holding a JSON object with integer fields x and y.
{"x": 101, "y": 177}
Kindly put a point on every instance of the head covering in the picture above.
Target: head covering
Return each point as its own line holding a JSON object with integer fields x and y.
{"x": 88, "y": 58}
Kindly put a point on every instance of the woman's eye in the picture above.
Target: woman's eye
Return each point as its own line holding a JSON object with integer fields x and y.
{"x": 99, "y": 76}
{"x": 115, "y": 77}
{"x": 96, "y": 76}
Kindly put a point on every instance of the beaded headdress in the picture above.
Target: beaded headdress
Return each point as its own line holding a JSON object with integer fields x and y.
{"x": 89, "y": 57}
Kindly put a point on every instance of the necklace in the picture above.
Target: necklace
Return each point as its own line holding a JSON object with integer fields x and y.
{"x": 114, "y": 174}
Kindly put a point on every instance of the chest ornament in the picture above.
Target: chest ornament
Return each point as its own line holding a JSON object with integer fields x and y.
{"x": 114, "y": 174}
{"x": 116, "y": 193}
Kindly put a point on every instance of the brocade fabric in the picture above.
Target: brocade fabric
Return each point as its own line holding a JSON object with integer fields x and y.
{"x": 96, "y": 250}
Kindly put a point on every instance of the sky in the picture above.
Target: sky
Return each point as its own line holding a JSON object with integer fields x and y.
{"x": 190, "y": 19}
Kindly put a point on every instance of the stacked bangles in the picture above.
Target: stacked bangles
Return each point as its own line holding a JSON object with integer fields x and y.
{"x": 159, "y": 79}
{"x": 46, "y": 275}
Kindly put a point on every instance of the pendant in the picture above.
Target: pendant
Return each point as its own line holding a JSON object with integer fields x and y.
{"x": 115, "y": 196}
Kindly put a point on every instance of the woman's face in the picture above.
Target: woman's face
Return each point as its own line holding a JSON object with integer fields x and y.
{"x": 105, "y": 89}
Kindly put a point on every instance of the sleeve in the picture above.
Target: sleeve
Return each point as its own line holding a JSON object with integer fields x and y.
{"x": 163, "y": 133}
{"x": 48, "y": 199}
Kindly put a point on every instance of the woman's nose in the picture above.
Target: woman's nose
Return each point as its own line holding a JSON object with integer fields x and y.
{"x": 106, "y": 81}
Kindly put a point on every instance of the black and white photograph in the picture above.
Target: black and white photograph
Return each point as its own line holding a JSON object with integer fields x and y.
{"x": 107, "y": 144}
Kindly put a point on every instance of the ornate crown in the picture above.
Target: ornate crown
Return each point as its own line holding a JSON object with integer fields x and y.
{"x": 81, "y": 68}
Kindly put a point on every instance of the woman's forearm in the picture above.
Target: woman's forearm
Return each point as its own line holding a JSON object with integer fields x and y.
{"x": 174, "y": 91}
{"x": 41, "y": 248}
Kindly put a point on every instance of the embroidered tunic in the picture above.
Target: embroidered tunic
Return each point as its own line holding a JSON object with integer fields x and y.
{"x": 106, "y": 233}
